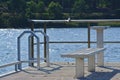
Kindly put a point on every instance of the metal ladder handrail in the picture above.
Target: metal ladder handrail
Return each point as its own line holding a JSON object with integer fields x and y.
{"x": 38, "y": 47}
{"x": 47, "y": 45}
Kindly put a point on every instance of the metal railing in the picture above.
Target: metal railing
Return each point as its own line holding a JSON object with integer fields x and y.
{"x": 11, "y": 64}
{"x": 67, "y": 42}
{"x": 47, "y": 46}
{"x": 32, "y": 34}
{"x": 18, "y": 63}
{"x": 88, "y": 21}
{"x": 38, "y": 48}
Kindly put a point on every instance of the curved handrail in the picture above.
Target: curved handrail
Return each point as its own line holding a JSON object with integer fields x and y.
{"x": 38, "y": 47}
{"x": 47, "y": 45}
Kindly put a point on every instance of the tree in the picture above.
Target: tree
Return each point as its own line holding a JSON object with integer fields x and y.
{"x": 92, "y": 4}
{"x": 55, "y": 10}
{"x": 41, "y": 7}
{"x": 102, "y": 4}
{"x": 3, "y": 1}
{"x": 79, "y": 6}
{"x": 67, "y": 5}
{"x": 114, "y": 4}
{"x": 31, "y": 6}
{"x": 17, "y": 6}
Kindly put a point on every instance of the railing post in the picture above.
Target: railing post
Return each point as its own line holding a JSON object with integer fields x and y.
{"x": 88, "y": 35}
{"x": 47, "y": 46}
{"x": 29, "y": 50}
{"x": 32, "y": 44}
{"x": 38, "y": 54}
{"x": 19, "y": 55}
{"x": 45, "y": 53}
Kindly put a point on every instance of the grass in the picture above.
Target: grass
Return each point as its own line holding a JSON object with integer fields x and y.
{"x": 112, "y": 24}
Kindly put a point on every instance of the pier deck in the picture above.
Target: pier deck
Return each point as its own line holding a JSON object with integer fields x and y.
{"x": 66, "y": 71}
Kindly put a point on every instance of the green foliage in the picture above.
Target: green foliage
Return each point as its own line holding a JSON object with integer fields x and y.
{"x": 17, "y": 6}
{"x": 79, "y": 6}
{"x": 31, "y": 6}
{"x": 55, "y": 10}
{"x": 41, "y": 7}
{"x": 14, "y": 13}
{"x": 102, "y": 3}
{"x": 4, "y": 20}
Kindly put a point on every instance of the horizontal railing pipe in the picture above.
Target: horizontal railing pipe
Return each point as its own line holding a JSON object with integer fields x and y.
{"x": 73, "y": 20}
{"x": 67, "y": 42}
{"x": 11, "y": 64}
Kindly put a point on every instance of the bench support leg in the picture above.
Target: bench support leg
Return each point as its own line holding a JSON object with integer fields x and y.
{"x": 91, "y": 63}
{"x": 100, "y": 60}
{"x": 79, "y": 67}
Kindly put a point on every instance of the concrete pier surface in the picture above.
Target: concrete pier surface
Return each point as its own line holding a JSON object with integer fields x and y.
{"x": 66, "y": 71}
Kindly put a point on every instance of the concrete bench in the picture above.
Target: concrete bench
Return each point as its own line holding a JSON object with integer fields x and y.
{"x": 79, "y": 57}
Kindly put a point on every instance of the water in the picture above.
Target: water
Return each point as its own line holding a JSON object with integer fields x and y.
{"x": 8, "y": 44}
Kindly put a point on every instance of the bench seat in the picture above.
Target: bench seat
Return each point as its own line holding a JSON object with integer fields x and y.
{"x": 79, "y": 57}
